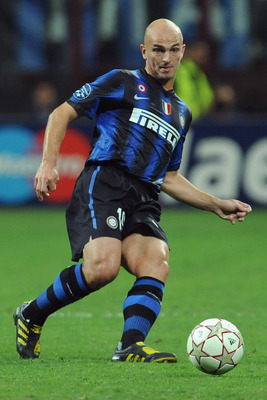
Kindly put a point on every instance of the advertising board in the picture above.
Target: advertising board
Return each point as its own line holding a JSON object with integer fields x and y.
{"x": 226, "y": 159}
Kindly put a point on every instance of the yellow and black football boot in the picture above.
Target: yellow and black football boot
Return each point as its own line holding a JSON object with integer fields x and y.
{"x": 27, "y": 334}
{"x": 139, "y": 352}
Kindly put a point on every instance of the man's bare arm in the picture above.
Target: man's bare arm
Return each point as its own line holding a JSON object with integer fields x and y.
{"x": 184, "y": 191}
{"x": 47, "y": 176}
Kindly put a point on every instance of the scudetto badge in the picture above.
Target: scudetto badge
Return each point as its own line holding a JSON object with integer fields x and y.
{"x": 166, "y": 107}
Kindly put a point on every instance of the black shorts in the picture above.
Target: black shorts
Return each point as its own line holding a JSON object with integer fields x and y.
{"x": 108, "y": 202}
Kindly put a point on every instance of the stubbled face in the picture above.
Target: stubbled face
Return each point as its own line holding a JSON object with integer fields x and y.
{"x": 163, "y": 50}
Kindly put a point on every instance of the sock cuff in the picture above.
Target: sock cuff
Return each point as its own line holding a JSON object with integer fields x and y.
{"x": 148, "y": 286}
{"x": 149, "y": 277}
{"x": 148, "y": 280}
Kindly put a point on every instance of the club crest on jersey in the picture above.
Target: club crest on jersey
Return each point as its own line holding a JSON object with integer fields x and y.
{"x": 166, "y": 107}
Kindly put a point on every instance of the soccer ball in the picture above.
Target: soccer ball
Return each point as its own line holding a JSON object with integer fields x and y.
{"x": 215, "y": 346}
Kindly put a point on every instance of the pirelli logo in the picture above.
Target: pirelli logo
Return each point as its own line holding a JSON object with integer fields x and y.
{"x": 156, "y": 124}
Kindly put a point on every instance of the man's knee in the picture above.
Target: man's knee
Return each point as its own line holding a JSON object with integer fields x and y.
{"x": 101, "y": 262}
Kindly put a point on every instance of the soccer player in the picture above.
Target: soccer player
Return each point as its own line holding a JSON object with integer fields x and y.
{"x": 113, "y": 216}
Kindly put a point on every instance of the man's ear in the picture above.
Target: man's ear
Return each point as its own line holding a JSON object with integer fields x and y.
{"x": 183, "y": 49}
{"x": 143, "y": 51}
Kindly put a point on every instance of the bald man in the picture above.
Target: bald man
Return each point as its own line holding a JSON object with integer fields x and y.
{"x": 113, "y": 216}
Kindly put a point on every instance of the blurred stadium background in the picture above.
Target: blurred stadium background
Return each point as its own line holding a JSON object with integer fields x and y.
{"x": 49, "y": 48}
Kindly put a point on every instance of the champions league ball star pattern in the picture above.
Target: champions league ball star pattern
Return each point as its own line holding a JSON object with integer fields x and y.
{"x": 215, "y": 346}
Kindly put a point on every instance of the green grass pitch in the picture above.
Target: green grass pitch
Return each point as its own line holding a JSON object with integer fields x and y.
{"x": 217, "y": 270}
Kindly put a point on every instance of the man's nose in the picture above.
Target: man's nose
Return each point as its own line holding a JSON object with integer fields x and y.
{"x": 166, "y": 57}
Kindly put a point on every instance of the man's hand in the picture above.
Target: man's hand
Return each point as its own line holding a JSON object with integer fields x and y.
{"x": 46, "y": 179}
{"x": 232, "y": 210}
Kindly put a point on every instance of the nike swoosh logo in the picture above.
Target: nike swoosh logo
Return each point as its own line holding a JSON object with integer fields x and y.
{"x": 136, "y": 97}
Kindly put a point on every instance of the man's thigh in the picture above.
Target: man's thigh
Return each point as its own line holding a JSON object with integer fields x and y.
{"x": 145, "y": 256}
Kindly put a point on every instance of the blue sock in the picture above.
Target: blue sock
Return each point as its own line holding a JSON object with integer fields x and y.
{"x": 68, "y": 287}
{"x": 141, "y": 308}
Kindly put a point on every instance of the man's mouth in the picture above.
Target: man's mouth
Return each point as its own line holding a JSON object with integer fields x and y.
{"x": 166, "y": 68}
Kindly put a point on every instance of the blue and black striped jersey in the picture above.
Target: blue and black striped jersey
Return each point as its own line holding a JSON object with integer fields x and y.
{"x": 140, "y": 127}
